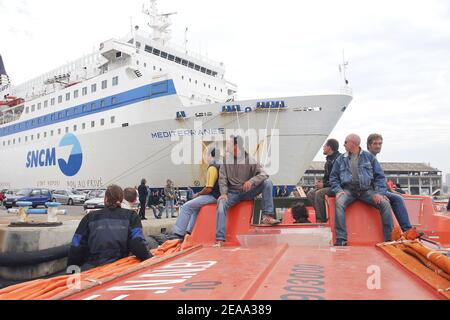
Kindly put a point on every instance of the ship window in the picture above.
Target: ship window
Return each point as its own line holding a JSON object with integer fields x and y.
{"x": 197, "y": 67}
{"x": 51, "y": 133}
{"x": 191, "y": 65}
{"x": 92, "y": 124}
{"x": 75, "y": 94}
{"x": 190, "y": 80}
{"x": 67, "y": 129}
{"x": 93, "y": 106}
{"x": 204, "y": 84}
{"x": 52, "y": 101}
{"x": 115, "y": 81}
{"x": 104, "y": 84}
{"x": 102, "y": 122}
{"x": 138, "y": 45}
{"x": 118, "y": 54}
{"x": 67, "y": 96}
{"x": 171, "y": 57}
{"x": 214, "y": 74}
{"x": 84, "y": 91}
{"x": 160, "y": 69}
{"x": 178, "y": 60}
{"x": 26, "y": 138}
{"x": 83, "y": 126}
{"x": 32, "y": 138}
{"x": 61, "y": 115}
{"x": 39, "y": 106}
{"x": 203, "y": 70}
{"x": 102, "y": 103}
{"x": 54, "y": 116}
{"x": 196, "y": 82}
{"x": 38, "y": 136}
{"x": 209, "y": 86}
{"x": 208, "y": 72}
{"x": 27, "y": 109}
{"x": 85, "y": 108}
{"x": 148, "y": 49}
{"x": 113, "y": 100}
{"x": 164, "y": 54}
{"x": 70, "y": 112}
{"x": 182, "y": 77}
{"x": 156, "y": 52}
{"x": 124, "y": 125}
{"x": 20, "y": 140}
{"x": 33, "y": 107}
{"x": 60, "y": 99}
{"x": 93, "y": 87}
{"x": 45, "y": 103}
{"x": 14, "y": 141}
{"x": 113, "y": 119}
{"x": 59, "y": 131}
{"x": 184, "y": 62}
{"x": 45, "y": 134}
{"x": 4, "y": 143}
{"x": 154, "y": 68}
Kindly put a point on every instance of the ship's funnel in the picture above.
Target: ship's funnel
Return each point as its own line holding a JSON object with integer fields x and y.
{"x": 2, "y": 67}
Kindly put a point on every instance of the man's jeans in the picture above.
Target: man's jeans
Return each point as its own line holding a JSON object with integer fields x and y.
{"x": 188, "y": 214}
{"x": 170, "y": 204}
{"x": 366, "y": 196}
{"x": 266, "y": 188}
{"x": 317, "y": 199}
{"x": 400, "y": 212}
{"x": 157, "y": 208}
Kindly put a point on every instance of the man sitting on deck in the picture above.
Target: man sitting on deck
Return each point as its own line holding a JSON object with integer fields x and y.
{"x": 190, "y": 210}
{"x": 240, "y": 179}
{"x": 374, "y": 145}
{"x": 357, "y": 175}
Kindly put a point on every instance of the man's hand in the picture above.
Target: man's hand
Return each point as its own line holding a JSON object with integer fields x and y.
{"x": 195, "y": 196}
{"x": 340, "y": 194}
{"x": 248, "y": 186}
{"x": 224, "y": 198}
{"x": 377, "y": 198}
{"x": 319, "y": 185}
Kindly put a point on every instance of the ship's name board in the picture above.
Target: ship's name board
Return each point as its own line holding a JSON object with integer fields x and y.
{"x": 188, "y": 133}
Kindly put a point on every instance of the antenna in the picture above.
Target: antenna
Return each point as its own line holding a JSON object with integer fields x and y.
{"x": 343, "y": 68}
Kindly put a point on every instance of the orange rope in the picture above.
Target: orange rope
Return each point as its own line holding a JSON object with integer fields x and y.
{"x": 43, "y": 289}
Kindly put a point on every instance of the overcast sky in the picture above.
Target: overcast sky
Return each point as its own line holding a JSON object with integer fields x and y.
{"x": 399, "y": 54}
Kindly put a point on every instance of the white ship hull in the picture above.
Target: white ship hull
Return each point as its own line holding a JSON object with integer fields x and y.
{"x": 143, "y": 149}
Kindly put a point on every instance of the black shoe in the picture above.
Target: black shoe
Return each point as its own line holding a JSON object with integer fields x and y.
{"x": 340, "y": 243}
{"x": 174, "y": 217}
{"x": 144, "y": 218}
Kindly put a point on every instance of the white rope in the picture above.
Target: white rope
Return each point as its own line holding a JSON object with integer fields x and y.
{"x": 269, "y": 148}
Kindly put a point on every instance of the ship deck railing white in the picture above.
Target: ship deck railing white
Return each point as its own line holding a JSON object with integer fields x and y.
{"x": 180, "y": 50}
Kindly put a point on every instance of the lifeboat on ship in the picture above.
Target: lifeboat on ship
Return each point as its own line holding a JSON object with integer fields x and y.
{"x": 288, "y": 262}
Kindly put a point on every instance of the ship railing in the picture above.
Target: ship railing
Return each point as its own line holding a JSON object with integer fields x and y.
{"x": 30, "y": 88}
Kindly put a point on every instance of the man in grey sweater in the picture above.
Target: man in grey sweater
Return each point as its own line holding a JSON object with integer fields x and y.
{"x": 241, "y": 178}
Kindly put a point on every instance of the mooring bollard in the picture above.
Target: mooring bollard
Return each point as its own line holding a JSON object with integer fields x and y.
{"x": 52, "y": 215}
{"x": 23, "y": 210}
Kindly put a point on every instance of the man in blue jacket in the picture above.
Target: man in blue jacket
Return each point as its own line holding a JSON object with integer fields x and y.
{"x": 357, "y": 175}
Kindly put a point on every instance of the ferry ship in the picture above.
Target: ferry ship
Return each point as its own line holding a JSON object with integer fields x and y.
{"x": 121, "y": 114}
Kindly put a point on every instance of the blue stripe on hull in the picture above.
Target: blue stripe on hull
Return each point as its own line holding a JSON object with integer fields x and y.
{"x": 152, "y": 91}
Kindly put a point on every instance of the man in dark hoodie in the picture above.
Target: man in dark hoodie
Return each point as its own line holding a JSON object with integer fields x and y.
{"x": 108, "y": 235}
{"x": 323, "y": 188}
{"x": 241, "y": 178}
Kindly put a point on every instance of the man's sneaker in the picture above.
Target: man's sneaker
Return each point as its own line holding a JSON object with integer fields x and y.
{"x": 412, "y": 234}
{"x": 173, "y": 236}
{"x": 340, "y": 243}
{"x": 270, "y": 220}
{"x": 219, "y": 244}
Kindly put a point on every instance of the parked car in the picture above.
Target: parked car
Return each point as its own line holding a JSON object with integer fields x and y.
{"x": 38, "y": 197}
{"x": 95, "y": 194}
{"x": 95, "y": 203}
{"x": 69, "y": 197}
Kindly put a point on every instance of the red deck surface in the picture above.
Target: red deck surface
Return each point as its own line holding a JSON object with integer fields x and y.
{"x": 284, "y": 262}
{"x": 269, "y": 273}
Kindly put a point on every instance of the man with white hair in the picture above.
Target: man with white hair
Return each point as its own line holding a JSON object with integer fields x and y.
{"x": 357, "y": 175}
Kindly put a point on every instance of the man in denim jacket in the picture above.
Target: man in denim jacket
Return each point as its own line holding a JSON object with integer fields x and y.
{"x": 357, "y": 175}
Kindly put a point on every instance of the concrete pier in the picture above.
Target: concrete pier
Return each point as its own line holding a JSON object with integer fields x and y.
{"x": 33, "y": 239}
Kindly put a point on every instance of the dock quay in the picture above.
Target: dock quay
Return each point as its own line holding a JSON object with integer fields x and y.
{"x": 25, "y": 251}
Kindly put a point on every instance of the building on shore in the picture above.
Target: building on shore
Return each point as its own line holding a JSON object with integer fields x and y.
{"x": 414, "y": 178}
